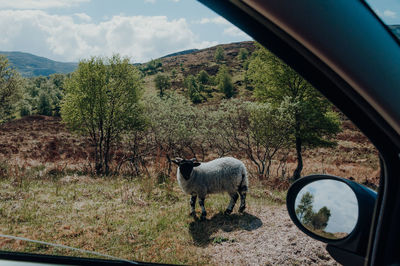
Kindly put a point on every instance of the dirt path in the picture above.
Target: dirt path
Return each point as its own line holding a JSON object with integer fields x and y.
{"x": 270, "y": 239}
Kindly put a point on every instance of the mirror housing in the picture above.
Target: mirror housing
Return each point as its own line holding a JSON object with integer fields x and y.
{"x": 351, "y": 249}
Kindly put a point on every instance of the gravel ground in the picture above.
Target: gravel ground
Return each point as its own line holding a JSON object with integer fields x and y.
{"x": 270, "y": 239}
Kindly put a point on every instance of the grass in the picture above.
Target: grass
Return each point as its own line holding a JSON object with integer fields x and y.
{"x": 135, "y": 220}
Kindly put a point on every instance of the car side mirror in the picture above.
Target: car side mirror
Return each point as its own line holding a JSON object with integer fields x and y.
{"x": 336, "y": 211}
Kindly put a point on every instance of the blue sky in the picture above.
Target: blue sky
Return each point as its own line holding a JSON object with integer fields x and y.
{"x": 70, "y": 30}
{"x": 387, "y": 10}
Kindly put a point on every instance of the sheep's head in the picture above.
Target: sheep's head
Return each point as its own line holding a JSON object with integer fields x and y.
{"x": 186, "y": 166}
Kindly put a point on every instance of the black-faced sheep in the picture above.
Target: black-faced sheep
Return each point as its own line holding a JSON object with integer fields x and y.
{"x": 225, "y": 174}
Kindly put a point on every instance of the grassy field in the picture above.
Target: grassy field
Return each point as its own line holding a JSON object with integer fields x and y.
{"x": 131, "y": 219}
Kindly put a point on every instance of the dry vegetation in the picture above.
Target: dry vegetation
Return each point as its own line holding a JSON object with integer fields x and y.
{"x": 46, "y": 194}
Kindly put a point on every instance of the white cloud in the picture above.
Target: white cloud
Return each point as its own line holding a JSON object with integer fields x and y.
{"x": 235, "y": 32}
{"x": 83, "y": 16}
{"x": 65, "y": 39}
{"x": 389, "y": 14}
{"x": 216, "y": 20}
{"x": 230, "y": 29}
{"x": 39, "y": 4}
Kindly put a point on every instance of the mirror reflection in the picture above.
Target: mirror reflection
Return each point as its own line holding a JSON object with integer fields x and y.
{"x": 327, "y": 208}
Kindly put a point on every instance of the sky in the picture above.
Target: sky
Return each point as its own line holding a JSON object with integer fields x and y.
{"x": 70, "y": 30}
{"x": 387, "y": 10}
{"x": 339, "y": 198}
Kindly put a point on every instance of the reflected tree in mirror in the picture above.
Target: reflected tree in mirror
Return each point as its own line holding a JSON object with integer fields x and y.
{"x": 327, "y": 208}
{"x": 306, "y": 215}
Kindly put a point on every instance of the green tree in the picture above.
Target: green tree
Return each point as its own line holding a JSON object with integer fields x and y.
{"x": 194, "y": 89}
{"x": 11, "y": 85}
{"x": 320, "y": 219}
{"x": 24, "y": 108}
{"x": 305, "y": 206}
{"x": 101, "y": 101}
{"x": 224, "y": 81}
{"x": 203, "y": 77}
{"x": 219, "y": 55}
{"x": 315, "y": 124}
{"x": 174, "y": 74}
{"x": 153, "y": 66}
{"x": 243, "y": 54}
{"x": 174, "y": 125}
{"x": 163, "y": 83}
{"x": 44, "y": 106}
{"x": 254, "y": 129}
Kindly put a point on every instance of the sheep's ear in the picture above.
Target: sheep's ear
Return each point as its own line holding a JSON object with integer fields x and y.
{"x": 196, "y": 164}
{"x": 177, "y": 160}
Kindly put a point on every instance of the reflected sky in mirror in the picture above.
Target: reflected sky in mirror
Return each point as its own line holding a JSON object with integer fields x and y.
{"x": 339, "y": 198}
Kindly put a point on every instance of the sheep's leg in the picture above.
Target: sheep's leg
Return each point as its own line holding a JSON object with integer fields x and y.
{"x": 203, "y": 210}
{"x": 234, "y": 198}
{"x": 242, "y": 200}
{"x": 193, "y": 205}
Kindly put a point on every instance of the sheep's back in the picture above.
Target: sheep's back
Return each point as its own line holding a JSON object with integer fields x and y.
{"x": 224, "y": 174}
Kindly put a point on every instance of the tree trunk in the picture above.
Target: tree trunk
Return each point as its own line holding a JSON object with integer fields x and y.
{"x": 299, "y": 168}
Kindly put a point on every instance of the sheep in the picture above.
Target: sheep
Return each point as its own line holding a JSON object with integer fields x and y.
{"x": 225, "y": 174}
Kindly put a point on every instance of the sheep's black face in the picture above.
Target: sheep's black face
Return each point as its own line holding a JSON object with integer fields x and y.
{"x": 186, "y": 167}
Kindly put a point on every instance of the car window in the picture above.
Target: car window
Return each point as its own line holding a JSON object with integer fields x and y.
{"x": 388, "y": 12}
{"x": 102, "y": 104}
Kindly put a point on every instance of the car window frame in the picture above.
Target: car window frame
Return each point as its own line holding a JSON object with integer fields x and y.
{"x": 381, "y": 249}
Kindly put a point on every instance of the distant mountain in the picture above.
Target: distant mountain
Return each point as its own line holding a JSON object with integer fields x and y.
{"x": 30, "y": 65}
{"x": 181, "y": 53}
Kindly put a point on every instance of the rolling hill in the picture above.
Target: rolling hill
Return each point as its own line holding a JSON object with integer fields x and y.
{"x": 30, "y": 65}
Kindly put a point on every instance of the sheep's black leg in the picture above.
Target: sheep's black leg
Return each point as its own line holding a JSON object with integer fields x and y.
{"x": 193, "y": 205}
{"x": 242, "y": 192}
{"x": 234, "y": 198}
{"x": 203, "y": 210}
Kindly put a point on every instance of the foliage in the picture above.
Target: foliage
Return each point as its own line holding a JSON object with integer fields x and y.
{"x": 255, "y": 129}
{"x": 224, "y": 81}
{"x": 162, "y": 83}
{"x": 320, "y": 219}
{"x": 174, "y": 74}
{"x": 101, "y": 102}
{"x": 174, "y": 125}
{"x": 10, "y": 89}
{"x": 219, "y": 55}
{"x": 194, "y": 89}
{"x": 44, "y": 106}
{"x": 243, "y": 54}
{"x": 42, "y": 95}
{"x": 203, "y": 77}
{"x": 152, "y": 67}
{"x": 306, "y": 215}
{"x": 305, "y": 205}
{"x": 314, "y": 123}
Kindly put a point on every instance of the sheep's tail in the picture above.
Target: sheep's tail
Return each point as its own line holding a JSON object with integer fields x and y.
{"x": 243, "y": 186}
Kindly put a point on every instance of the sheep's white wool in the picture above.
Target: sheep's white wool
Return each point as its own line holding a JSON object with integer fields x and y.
{"x": 225, "y": 174}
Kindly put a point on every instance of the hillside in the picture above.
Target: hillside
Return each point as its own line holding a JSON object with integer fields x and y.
{"x": 49, "y": 191}
{"x": 180, "y": 66}
{"x": 30, "y": 65}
